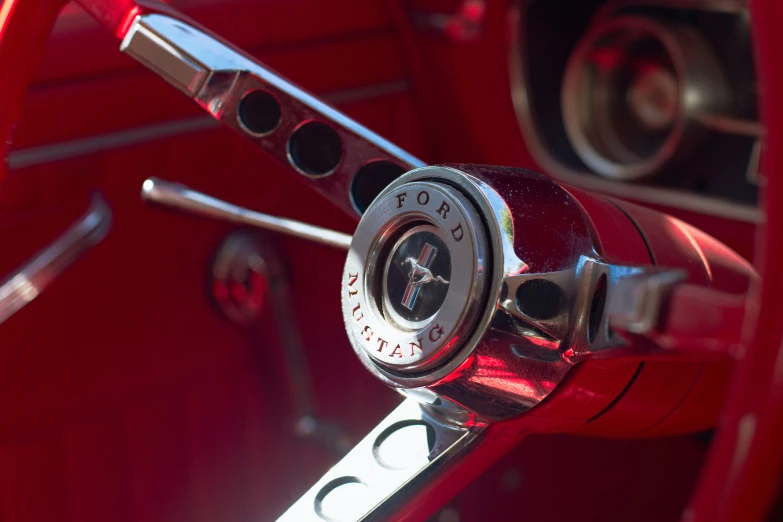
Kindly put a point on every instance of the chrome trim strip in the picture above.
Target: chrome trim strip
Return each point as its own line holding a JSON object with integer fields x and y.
{"x": 102, "y": 142}
{"x": 111, "y": 140}
{"x": 367, "y": 92}
{"x": 659, "y": 196}
{"x": 39, "y": 272}
{"x": 721, "y": 6}
{"x": 96, "y": 143}
{"x": 730, "y": 125}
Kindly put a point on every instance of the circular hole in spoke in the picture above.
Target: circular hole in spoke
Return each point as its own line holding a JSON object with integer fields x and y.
{"x": 259, "y": 113}
{"x": 404, "y": 445}
{"x": 315, "y": 149}
{"x": 371, "y": 179}
{"x": 540, "y": 299}
{"x": 344, "y": 498}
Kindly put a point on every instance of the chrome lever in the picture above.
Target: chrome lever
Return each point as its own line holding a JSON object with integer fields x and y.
{"x": 38, "y": 273}
{"x": 180, "y": 197}
{"x": 242, "y": 260}
{"x": 659, "y": 312}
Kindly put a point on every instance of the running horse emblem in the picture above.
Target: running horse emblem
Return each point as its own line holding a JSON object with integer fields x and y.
{"x": 420, "y": 274}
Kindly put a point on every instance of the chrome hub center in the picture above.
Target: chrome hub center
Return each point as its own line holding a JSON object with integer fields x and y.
{"x": 414, "y": 280}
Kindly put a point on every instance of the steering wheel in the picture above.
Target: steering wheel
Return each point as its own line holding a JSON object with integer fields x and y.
{"x": 498, "y": 302}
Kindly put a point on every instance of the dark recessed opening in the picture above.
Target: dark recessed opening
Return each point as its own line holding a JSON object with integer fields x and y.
{"x": 504, "y": 292}
{"x": 315, "y": 148}
{"x": 597, "y": 309}
{"x": 540, "y": 299}
{"x": 371, "y": 180}
{"x": 259, "y": 112}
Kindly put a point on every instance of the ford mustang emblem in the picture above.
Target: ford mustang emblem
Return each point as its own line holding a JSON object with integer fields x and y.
{"x": 420, "y": 274}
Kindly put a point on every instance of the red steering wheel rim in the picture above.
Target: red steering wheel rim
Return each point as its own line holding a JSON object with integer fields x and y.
{"x": 741, "y": 478}
{"x": 742, "y": 475}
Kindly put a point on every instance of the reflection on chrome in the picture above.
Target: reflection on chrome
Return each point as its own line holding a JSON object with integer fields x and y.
{"x": 30, "y": 280}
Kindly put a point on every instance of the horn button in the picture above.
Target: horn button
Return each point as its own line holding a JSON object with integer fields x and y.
{"x": 415, "y": 277}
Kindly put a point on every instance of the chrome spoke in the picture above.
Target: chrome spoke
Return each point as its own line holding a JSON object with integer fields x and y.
{"x": 339, "y": 157}
{"x": 406, "y": 450}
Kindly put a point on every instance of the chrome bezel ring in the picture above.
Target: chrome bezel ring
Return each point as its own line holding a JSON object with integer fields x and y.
{"x": 389, "y": 342}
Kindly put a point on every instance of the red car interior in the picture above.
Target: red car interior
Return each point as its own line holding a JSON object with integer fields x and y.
{"x": 127, "y": 395}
